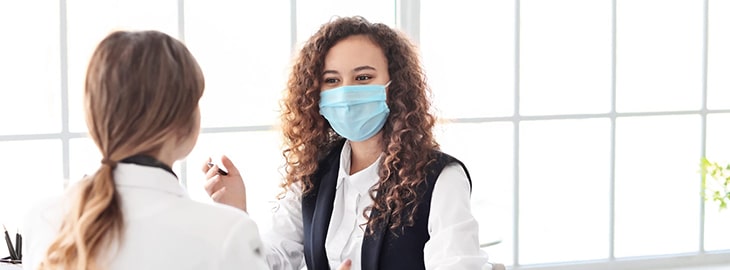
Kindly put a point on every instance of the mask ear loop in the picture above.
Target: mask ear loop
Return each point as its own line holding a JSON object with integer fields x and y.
{"x": 386, "y": 89}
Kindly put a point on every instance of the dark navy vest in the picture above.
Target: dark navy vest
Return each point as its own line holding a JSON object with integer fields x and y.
{"x": 383, "y": 250}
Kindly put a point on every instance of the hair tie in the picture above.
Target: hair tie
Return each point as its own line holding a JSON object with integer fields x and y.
{"x": 112, "y": 164}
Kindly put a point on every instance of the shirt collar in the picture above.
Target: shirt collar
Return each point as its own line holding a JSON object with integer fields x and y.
{"x": 361, "y": 181}
{"x": 146, "y": 160}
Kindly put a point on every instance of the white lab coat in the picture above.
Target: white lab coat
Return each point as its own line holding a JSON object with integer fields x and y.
{"x": 163, "y": 228}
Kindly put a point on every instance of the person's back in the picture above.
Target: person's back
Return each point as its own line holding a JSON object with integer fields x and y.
{"x": 141, "y": 100}
{"x": 163, "y": 229}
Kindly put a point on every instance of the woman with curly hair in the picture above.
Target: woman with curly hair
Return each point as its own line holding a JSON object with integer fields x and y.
{"x": 365, "y": 179}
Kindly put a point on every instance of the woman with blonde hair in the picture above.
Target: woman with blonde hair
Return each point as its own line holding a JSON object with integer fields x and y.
{"x": 141, "y": 101}
{"x": 365, "y": 179}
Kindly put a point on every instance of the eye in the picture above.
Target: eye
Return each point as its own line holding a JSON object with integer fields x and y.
{"x": 363, "y": 77}
{"x": 331, "y": 80}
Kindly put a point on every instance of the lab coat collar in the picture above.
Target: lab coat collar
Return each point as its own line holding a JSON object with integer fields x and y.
{"x": 146, "y": 177}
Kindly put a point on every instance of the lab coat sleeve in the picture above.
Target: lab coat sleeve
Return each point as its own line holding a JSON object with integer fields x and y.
{"x": 242, "y": 248}
{"x": 454, "y": 242}
{"x": 284, "y": 241}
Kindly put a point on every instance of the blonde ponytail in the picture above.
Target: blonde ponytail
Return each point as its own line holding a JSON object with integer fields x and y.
{"x": 93, "y": 221}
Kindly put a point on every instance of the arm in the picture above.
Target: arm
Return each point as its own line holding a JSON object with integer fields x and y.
{"x": 454, "y": 242}
{"x": 284, "y": 241}
{"x": 284, "y": 249}
{"x": 242, "y": 248}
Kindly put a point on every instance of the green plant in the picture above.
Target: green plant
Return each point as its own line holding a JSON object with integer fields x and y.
{"x": 717, "y": 189}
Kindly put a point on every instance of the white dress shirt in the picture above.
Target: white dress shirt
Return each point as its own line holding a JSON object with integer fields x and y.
{"x": 163, "y": 228}
{"x": 454, "y": 242}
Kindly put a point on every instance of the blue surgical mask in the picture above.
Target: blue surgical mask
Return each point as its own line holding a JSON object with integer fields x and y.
{"x": 356, "y": 112}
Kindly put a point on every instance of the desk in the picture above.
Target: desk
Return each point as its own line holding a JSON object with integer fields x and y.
{"x": 10, "y": 266}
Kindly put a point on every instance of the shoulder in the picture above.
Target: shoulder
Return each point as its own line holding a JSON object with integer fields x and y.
{"x": 241, "y": 241}
{"x": 443, "y": 163}
{"x": 450, "y": 170}
{"x": 452, "y": 190}
{"x": 224, "y": 234}
{"x": 443, "y": 159}
{"x": 44, "y": 215}
{"x": 47, "y": 212}
{"x": 41, "y": 224}
{"x": 215, "y": 223}
{"x": 454, "y": 173}
{"x": 242, "y": 231}
{"x": 218, "y": 216}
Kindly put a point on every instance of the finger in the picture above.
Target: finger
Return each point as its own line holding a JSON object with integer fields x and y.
{"x": 219, "y": 194}
{"x": 211, "y": 184}
{"x": 228, "y": 164}
{"x": 205, "y": 168}
{"x": 345, "y": 265}
{"x": 212, "y": 171}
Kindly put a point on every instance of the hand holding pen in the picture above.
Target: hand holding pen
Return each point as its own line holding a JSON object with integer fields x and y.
{"x": 220, "y": 171}
{"x": 226, "y": 188}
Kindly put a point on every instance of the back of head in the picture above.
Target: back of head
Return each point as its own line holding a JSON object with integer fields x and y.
{"x": 142, "y": 89}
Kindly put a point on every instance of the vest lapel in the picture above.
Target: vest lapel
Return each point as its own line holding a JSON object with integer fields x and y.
{"x": 371, "y": 245}
{"x": 323, "y": 211}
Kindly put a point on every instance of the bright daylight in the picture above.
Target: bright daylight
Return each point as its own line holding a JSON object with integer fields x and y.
{"x": 351, "y": 134}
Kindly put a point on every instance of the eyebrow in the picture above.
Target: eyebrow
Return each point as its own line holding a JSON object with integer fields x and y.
{"x": 361, "y": 68}
{"x": 357, "y": 69}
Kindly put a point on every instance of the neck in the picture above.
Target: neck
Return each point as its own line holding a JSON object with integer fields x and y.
{"x": 166, "y": 159}
{"x": 365, "y": 153}
{"x": 169, "y": 153}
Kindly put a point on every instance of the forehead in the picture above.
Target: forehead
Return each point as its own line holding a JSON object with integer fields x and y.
{"x": 355, "y": 51}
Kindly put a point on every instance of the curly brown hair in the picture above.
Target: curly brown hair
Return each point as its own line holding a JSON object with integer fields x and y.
{"x": 408, "y": 141}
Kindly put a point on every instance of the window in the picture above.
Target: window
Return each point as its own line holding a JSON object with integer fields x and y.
{"x": 600, "y": 110}
{"x": 30, "y": 104}
{"x": 581, "y": 122}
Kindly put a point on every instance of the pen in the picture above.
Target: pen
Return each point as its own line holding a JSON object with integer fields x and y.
{"x": 220, "y": 171}
{"x": 18, "y": 245}
{"x": 13, "y": 256}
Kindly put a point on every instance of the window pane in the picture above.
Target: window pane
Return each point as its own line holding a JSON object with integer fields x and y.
{"x": 718, "y": 132}
{"x": 258, "y": 157}
{"x": 718, "y": 149}
{"x": 564, "y": 183}
{"x": 718, "y": 55}
{"x": 657, "y": 189}
{"x": 658, "y": 58}
{"x": 565, "y": 57}
{"x": 245, "y": 66}
{"x": 85, "y": 159}
{"x": 312, "y": 14}
{"x": 490, "y": 165}
{"x": 30, "y": 99}
{"x": 89, "y": 21}
{"x": 32, "y": 171}
{"x": 466, "y": 83}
